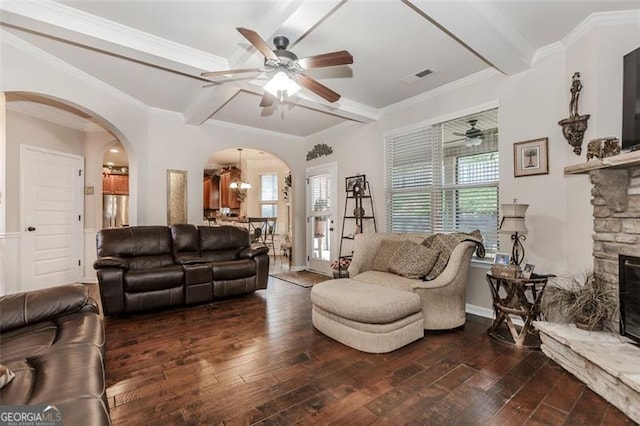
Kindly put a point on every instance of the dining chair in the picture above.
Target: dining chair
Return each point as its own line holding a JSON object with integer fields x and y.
{"x": 270, "y": 232}
{"x": 257, "y": 230}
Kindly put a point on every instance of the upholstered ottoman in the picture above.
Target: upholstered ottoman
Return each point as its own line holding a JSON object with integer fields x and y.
{"x": 366, "y": 317}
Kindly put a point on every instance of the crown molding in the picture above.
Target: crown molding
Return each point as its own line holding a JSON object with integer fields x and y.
{"x": 446, "y": 88}
{"x": 601, "y": 19}
{"x": 66, "y": 67}
{"x": 591, "y": 22}
{"x": 59, "y": 17}
{"x": 548, "y": 50}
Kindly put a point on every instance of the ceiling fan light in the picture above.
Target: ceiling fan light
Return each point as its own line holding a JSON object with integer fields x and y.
{"x": 281, "y": 86}
{"x": 475, "y": 141}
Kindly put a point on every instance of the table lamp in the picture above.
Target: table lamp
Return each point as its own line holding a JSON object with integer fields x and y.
{"x": 513, "y": 223}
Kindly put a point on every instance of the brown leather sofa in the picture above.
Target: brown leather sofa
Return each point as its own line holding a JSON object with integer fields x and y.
{"x": 151, "y": 267}
{"x": 53, "y": 341}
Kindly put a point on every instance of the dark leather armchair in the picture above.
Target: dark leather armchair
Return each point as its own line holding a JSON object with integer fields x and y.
{"x": 147, "y": 267}
{"x": 53, "y": 341}
{"x": 136, "y": 269}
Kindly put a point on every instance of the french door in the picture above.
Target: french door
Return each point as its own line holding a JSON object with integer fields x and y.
{"x": 321, "y": 205}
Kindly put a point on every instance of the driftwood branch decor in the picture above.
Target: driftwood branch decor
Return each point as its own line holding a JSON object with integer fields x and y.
{"x": 318, "y": 151}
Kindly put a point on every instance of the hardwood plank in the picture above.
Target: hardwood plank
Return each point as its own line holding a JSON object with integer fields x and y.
{"x": 565, "y": 393}
{"x": 546, "y": 415}
{"x": 527, "y": 399}
{"x": 589, "y": 409}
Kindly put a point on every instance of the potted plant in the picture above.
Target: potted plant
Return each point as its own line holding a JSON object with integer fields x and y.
{"x": 588, "y": 301}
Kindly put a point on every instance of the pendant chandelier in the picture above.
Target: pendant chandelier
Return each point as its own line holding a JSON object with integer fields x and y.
{"x": 240, "y": 184}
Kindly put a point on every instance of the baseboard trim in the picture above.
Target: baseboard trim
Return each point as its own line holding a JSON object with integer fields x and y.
{"x": 488, "y": 313}
{"x": 480, "y": 311}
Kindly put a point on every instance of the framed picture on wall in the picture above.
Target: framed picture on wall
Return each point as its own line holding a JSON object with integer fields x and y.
{"x": 531, "y": 158}
{"x": 351, "y": 181}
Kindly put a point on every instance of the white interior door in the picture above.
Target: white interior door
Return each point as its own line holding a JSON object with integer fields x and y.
{"x": 51, "y": 217}
{"x": 321, "y": 204}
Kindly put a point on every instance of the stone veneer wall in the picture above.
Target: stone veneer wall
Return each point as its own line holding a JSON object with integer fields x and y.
{"x": 615, "y": 233}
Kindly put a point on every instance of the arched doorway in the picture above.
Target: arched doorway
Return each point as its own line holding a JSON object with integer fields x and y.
{"x": 270, "y": 196}
{"x": 51, "y": 125}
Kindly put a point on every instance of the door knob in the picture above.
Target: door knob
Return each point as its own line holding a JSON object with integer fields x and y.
{"x": 31, "y": 229}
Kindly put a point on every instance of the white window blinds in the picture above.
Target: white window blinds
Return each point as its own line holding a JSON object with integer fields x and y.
{"x": 320, "y": 186}
{"x": 434, "y": 186}
{"x": 409, "y": 177}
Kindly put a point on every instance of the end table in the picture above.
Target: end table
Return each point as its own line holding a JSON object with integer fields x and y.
{"x": 516, "y": 297}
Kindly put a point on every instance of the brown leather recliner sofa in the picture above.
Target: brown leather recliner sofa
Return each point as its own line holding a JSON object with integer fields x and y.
{"x": 150, "y": 267}
{"x": 53, "y": 342}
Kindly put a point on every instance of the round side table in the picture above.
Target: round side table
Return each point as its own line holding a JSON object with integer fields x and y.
{"x": 513, "y": 298}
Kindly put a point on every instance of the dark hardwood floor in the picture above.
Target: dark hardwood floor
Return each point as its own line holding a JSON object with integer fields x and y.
{"x": 258, "y": 359}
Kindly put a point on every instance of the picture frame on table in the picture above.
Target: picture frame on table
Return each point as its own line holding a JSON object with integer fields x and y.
{"x": 351, "y": 181}
{"x": 528, "y": 270}
{"x": 531, "y": 157}
{"x": 502, "y": 259}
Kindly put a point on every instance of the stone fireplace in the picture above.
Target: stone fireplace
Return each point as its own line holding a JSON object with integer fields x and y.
{"x": 616, "y": 210}
{"x": 606, "y": 362}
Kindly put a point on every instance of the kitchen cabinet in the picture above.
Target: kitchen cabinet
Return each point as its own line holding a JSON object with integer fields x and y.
{"x": 115, "y": 184}
{"x": 228, "y": 196}
{"x": 211, "y": 192}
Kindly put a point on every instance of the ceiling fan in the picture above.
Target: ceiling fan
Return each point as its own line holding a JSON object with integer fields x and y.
{"x": 286, "y": 69}
{"x": 473, "y": 136}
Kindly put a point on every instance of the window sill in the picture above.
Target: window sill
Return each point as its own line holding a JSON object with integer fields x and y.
{"x": 481, "y": 264}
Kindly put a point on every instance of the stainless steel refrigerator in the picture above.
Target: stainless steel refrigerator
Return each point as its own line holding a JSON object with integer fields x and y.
{"x": 115, "y": 211}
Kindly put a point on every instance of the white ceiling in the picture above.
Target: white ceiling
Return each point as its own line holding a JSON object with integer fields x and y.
{"x": 154, "y": 51}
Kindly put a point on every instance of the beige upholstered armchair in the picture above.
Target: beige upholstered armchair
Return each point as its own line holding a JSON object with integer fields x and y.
{"x": 443, "y": 297}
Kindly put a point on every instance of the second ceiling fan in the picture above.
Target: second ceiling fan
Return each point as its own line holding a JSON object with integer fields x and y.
{"x": 287, "y": 69}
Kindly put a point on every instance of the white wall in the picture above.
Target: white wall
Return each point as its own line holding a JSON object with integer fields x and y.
{"x": 530, "y": 105}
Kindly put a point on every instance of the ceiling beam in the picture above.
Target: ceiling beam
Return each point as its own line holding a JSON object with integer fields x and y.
{"x": 481, "y": 28}
{"x": 58, "y": 21}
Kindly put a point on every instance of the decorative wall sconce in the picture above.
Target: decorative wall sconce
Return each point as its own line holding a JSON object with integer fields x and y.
{"x": 573, "y": 128}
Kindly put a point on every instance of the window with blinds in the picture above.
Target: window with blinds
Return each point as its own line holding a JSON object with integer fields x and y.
{"x": 437, "y": 183}
{"x": 269, "y": 195}
{"x": 320, "y": 186}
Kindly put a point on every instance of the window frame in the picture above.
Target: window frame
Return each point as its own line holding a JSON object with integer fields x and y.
{"x": 435, "y": 189}
{"x": 269, "y": 202}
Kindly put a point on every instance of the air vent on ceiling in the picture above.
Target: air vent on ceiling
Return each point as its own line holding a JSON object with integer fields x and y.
{"x": 412, "y": 78}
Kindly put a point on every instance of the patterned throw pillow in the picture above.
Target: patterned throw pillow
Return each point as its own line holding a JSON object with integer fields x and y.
{"x": 386, "y": 254}
{"x": 6, "y": 375}
{"x": 413, "y": 260}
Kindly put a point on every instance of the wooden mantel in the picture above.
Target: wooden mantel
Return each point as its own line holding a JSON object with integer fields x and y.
{"x": 621, "y": 161}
